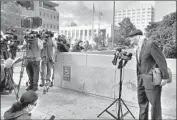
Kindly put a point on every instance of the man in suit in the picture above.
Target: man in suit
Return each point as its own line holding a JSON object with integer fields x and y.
{"x": 148, "y": 55}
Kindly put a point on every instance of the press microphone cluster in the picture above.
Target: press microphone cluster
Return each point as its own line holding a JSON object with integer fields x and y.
{"x": 123, "y": 56}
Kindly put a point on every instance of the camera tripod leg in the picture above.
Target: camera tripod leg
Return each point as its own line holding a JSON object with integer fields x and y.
{"x": 108, "y": 107}
{"x": 14, "y": 87}
{"x": 128, "y": 110}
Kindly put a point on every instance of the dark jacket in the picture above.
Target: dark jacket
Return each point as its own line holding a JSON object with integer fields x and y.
{"x": 20, "y": 115}
{"x": 151, "y": 56}
{"x": 63, "y": 47}
{"x": 77, "y": 48}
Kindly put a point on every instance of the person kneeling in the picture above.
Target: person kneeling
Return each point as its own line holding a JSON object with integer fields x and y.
{"x": 21, "y": 110}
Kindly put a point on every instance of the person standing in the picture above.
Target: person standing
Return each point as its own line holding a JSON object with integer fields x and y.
{"x": 33, "y": 45}
{"x": 47, "y": 55}
{"x": 149, "y": 55}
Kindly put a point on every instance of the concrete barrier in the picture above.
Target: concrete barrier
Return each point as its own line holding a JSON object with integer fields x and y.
{"x": 95, "y": 74}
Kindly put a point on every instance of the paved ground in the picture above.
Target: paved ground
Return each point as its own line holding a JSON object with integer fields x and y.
{"x": 68, "y": 104}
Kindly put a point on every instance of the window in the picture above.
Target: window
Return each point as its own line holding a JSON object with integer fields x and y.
{"x": 77, "y": 33}
{"x": 81, "y": 33}
{"x": 69, "y": 33}
{"x": 54, "y": 26}
{"x": 57, "y": 17}
{"x": 73, "y": 33}
{"x": 85, "y": 32}
{"x": 47, "y": 15}
{"x": 54, "y": 16}
{"x": 57, "y": 27}
{"x": 51, "y": 16}
{"x": 61, "y": 31}
{"x": 44, "y": 14}
{"x": 44, "y": 25}
{"x": 47, "y": 25}
{"x": 65, "y": 32}
{"x": 50, "y": 25}
{"x": 40, "y": 13}
{"x": 40, "y": 3}
{"x": 90, "y": 33}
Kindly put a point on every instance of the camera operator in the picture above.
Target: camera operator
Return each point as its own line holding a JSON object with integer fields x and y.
{"x": 47, "y": 54}
{"x": 33, "y": 45}
{"x": 7, "y": 83}
{"x": 13, "y": 47}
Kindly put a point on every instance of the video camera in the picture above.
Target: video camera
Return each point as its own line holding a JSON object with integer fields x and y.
{"x": 6, "y": 39}
{"x": 123, "y": 56}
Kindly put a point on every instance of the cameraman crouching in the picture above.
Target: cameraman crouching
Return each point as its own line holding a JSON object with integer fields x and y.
{"x": 33, "y": 45}
{"x": 47, "y": 53}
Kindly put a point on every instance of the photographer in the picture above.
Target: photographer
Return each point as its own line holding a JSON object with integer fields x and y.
{"x": 22, "y": 109}
{"x": 47, "y": 54}
{"x": 33, "y": 45}
{"x": 78, "y": 47}
{"x": 13, "y": 47}
{"x": 62, "y": 44}
{"x": 7, "y": 83}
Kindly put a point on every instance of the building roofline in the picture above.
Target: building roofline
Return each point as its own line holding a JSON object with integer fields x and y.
{"x": 51, "y": 3}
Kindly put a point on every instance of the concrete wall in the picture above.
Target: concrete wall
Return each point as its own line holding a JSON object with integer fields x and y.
{"x": 95, "y": 74}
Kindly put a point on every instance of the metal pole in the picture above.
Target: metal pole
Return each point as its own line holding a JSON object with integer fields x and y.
{"x": 113, "y": 24}
{"x": 93, "y": 22}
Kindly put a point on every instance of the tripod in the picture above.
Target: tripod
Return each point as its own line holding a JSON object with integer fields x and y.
{"x": 120, "y": 114}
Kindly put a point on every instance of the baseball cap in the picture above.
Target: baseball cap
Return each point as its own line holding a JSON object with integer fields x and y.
{"x": 29, "y": 97}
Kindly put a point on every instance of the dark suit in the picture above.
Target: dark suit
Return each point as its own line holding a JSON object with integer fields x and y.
{"x": 150, "y": 56}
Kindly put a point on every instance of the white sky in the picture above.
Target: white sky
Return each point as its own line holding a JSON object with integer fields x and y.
{"x": 75, "y": 9}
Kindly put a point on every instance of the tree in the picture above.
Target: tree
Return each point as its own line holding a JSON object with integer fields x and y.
{"x": 126, "y": 26}
{"x": 10, "y": 15}
{"x": 73, "y": 24}
{"x": 164, "y": 34}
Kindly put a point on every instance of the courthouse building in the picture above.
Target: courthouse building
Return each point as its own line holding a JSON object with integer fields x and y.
{"x": 84, "y": 32}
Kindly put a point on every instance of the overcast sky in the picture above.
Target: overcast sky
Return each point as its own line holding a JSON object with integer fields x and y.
{"x": 81, "y": 11}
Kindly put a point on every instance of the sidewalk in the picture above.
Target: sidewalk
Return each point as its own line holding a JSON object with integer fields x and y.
{"x": 68, "y": 104}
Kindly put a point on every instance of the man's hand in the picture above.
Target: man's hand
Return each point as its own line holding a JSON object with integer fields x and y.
{"x": 163, "y": 82}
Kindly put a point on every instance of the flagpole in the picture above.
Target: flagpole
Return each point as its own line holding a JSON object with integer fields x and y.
{"x": 99, "y": 23}
{"x": 93, "y": 22}
{"x": 113, "y": 25}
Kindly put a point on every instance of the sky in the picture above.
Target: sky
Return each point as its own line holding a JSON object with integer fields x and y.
{"x": 81, "y": 12}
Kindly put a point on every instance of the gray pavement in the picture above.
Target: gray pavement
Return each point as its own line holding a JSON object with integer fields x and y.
{"x": 68, "y": 104}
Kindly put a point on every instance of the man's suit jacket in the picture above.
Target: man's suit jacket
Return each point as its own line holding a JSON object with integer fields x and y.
{"x": 149, "y": 57}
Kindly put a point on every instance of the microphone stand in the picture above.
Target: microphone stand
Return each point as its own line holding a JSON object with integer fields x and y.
{"x": 120, "y": 114}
